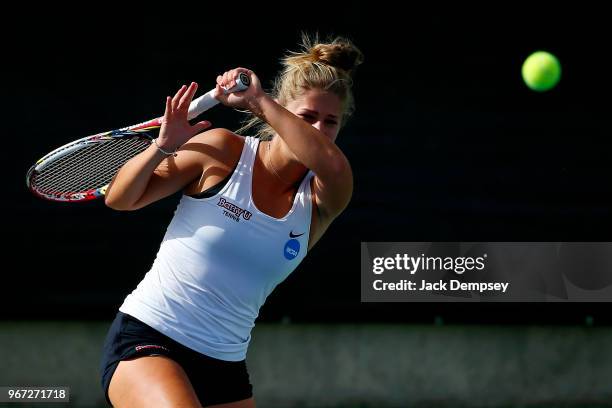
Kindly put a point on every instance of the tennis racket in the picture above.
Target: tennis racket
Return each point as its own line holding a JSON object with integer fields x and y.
{"x": 81, "y": 170}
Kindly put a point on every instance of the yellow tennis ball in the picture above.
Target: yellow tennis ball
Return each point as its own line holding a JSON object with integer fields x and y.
{"x": 541, "y": 71}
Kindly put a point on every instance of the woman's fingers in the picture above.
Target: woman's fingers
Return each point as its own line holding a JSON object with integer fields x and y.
{"x": 218, "y": 92}
{"x": 200, "y": 127}
{"x": 227, "y": 80}
{"x": 187, "y": 97}
{"x": 167, "y": 110}
{"x": 177, "y": 97}
{"x": 232, "y": 78}
{"x": 181, "y": 100}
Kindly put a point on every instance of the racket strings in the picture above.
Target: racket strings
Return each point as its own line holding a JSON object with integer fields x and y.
{"x": 90, "y": 167}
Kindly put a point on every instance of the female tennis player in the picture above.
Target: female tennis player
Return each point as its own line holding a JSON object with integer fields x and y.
{"x": 251, "y": 208}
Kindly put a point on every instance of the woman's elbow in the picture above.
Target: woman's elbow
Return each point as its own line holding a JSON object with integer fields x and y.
{"x": 112, "y": 202}
{"x": 341, "y": 168}
{"x": 115, "y": 206}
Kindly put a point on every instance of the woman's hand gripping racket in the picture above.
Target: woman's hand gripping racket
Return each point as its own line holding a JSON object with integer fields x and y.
{"x": 81, "y": 170}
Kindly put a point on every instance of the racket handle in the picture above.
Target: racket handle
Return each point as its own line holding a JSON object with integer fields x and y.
{"x": 207, "y": 101}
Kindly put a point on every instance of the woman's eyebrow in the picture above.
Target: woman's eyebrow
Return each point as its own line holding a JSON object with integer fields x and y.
{"x": 316, "y": 113}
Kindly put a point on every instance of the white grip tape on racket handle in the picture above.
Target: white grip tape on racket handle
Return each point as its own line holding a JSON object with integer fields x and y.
{"x": 207, "y": 101}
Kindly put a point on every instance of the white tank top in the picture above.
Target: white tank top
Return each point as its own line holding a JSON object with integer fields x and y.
{"x": 220, "y": 259}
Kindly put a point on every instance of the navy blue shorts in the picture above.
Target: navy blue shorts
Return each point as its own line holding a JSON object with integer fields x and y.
{"x": 214, "y": 381}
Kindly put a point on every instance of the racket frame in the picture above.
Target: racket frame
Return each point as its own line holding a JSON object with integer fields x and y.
{"x": 197, "y": 107}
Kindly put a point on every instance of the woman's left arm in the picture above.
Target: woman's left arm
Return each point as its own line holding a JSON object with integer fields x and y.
{"x": 333, "y": 184}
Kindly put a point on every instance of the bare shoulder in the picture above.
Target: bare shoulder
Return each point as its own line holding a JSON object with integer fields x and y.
{"x": 218, "y": 151}
{"x": 217, "y": 137}
{"x": 219, "y": 145}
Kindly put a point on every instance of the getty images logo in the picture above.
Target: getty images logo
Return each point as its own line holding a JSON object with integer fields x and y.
{"x": 413, "y": 264}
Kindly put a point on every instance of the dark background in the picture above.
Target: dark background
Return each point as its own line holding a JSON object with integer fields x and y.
{"x": 447, "y": 144}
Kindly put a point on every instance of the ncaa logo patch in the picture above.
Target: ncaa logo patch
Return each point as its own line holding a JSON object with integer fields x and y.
{"x": 292, "y": 249}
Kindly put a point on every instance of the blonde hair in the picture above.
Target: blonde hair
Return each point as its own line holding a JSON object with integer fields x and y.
{"x": 327, "y": 66}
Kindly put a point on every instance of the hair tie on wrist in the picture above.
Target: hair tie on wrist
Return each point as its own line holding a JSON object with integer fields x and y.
{"x": 163, "y": 151}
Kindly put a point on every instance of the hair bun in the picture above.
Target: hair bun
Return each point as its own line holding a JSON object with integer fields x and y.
{"x": 340, "y": 54}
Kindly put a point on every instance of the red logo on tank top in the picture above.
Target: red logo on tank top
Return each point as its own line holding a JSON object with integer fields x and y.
{"x": 233, "y": 211}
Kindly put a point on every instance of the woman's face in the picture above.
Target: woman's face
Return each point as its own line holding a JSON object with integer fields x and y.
{"x": 322, "y": 109}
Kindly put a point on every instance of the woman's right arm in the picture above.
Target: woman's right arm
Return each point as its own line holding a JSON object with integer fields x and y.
{"x": 151, "y": 176}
